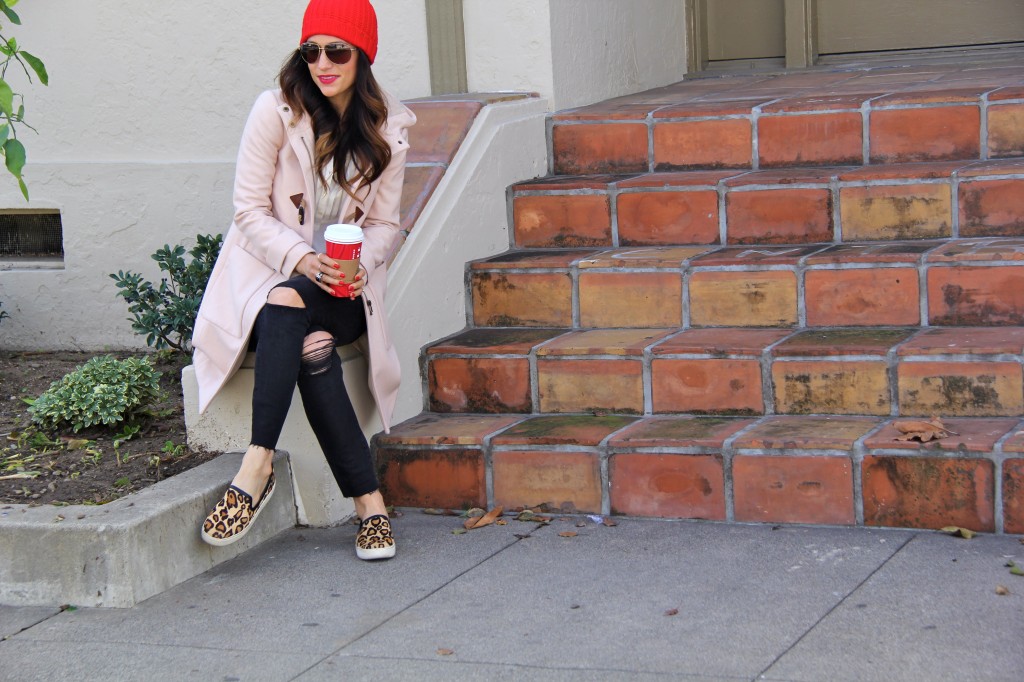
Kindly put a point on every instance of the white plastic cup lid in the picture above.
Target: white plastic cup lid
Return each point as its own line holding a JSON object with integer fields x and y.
{"x": 343, "y": 233}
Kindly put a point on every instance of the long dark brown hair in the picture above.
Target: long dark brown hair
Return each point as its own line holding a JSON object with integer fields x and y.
{"x": 355, "y": 135}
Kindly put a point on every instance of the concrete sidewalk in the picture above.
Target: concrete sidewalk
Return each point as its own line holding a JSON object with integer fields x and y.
{"x": 644, "y": 600}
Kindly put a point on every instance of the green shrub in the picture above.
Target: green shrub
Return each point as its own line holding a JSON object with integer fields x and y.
{"x": 166, "y": 314}
{"x": 104, "y": 390}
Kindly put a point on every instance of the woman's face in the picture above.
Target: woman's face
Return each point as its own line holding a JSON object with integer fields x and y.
{"x": 334, "y": 80}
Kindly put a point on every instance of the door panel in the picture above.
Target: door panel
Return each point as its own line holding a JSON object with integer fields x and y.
{"x": 753, "y": 33}
{"x": 745, "y": 29}
{"x": 878, "y": 25}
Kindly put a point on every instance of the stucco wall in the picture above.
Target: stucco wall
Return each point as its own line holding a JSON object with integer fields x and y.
{"x": 137, "y": 136}
{"x": 574, "y": 52}
{"x": 607, "y": 48}
{"x": 138, "y": 130}
{"x": 508, "y": 46}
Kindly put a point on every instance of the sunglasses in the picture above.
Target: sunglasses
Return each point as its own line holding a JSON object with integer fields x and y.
{"x": 336, "y": 52}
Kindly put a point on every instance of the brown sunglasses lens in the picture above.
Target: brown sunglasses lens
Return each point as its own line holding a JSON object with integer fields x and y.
{"x": 310, "y": 52}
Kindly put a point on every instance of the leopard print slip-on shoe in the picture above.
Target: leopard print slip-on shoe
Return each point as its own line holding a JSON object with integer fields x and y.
{"x": 374, "y": 540}
{"x": 234, "y": 515}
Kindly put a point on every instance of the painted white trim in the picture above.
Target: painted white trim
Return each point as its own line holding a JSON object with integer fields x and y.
{"x": 465, "y": 219}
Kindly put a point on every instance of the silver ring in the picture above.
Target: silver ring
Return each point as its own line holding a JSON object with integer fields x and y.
{"x": 319, "y": 276}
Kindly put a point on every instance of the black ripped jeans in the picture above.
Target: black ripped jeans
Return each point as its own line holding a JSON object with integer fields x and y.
{"x": 284, "y": 358}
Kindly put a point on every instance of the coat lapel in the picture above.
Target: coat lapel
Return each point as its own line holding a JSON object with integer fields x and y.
{"x": 301, "y": 138}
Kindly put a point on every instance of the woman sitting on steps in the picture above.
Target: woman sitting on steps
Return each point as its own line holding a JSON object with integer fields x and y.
{"x": 328, "y": 147}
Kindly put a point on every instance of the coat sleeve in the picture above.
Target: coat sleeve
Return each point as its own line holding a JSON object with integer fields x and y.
{"x": 263, "y": 139}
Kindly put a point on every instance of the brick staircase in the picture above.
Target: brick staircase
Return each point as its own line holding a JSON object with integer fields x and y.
{"x": 727, "y": 292}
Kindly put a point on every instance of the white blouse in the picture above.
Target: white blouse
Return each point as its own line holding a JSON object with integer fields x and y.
{"x": 328, "y": 212}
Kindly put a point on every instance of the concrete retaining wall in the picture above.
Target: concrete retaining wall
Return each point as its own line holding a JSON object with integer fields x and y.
{"x": 135, "y": 547}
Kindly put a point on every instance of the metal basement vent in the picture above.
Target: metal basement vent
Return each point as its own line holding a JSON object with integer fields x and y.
{"x": 31, "y": 234}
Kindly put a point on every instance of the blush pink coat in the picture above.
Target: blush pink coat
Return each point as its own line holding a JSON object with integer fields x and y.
{"x": 266, "y": 242}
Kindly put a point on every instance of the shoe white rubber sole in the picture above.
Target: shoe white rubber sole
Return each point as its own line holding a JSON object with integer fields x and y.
{"x": 374, "y": 554}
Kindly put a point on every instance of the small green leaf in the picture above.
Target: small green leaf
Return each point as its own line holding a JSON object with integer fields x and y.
{"x": 6, "y": 98}
{"x": 23, "y": 187}
{"x": 5, "y": 131}
{"x": 11, "y": 15}
{"x": 37, "y": 66}
{"x": 14, "y": 156}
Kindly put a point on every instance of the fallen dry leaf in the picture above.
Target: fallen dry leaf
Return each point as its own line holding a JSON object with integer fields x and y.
{"x": 445, "y": 652}
{"x": 1002, "y": 590}
{"x": 485, "y": 520}
{"x": 922, "y": 431}
{"x": 609, "y": 522}
{"x": 532, "y": 517}
{"x": 10, "y": 477}
{"x": 439, "y": 512}
{"x": 672, "y": 612}
{"x": 568, "y": 534}
{"x": 501, "y": 522}
{"x": 957, "y": 531}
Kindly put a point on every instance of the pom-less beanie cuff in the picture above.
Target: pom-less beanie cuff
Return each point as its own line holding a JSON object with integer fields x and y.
{"x": 354, "y": 21}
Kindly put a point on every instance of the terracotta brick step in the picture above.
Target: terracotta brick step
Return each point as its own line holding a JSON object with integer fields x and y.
{"x": 937, "y": 200}
{"x": 830, "y": 470}
{"x": 976, "y": 282}
{"x": 854, "y": 117}
{"x": 948, "y": 372}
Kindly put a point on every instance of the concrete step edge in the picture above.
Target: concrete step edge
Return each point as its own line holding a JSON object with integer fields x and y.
{"x": 135, "y": 547}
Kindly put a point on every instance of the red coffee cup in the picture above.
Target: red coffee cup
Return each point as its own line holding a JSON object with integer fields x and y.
{"x": 344, "y": 244}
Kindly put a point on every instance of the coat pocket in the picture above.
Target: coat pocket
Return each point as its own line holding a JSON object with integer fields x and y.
{"x": 376, "y": 317}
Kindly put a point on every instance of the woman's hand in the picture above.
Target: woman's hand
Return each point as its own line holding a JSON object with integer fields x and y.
{"x": 325, "y": 272}
{"x": 355, "y": 287}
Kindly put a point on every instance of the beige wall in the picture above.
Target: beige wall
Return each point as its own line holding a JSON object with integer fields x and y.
{"x": 607, "y": 48}
{"x": 139, "y": 127}
{"x": 574, "y": 52}
{"x": 137, "y": 136}
{"x": 508, "y": 46}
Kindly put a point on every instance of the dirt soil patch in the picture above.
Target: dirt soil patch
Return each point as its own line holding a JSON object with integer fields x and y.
{"x": 95, "y": 465}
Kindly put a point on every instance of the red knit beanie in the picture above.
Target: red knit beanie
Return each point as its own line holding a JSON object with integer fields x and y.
{"x": 354, "y": 21}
